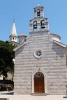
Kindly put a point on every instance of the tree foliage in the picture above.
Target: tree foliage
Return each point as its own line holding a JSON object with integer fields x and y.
{"x": 6, "y": 58}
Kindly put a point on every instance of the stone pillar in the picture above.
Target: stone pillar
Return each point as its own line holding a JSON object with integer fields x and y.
{"x": 46, "y": 24}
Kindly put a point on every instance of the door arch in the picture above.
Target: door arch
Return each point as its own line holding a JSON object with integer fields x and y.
{"x": 39, "y": 83}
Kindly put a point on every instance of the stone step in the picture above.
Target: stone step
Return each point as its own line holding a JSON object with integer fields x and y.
{"x": 39, "y": 94}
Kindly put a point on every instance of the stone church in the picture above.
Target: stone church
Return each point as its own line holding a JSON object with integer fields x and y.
{"x": 40, "y": 59}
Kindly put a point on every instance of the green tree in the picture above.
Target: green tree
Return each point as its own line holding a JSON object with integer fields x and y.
{"x": 6, "y": 58}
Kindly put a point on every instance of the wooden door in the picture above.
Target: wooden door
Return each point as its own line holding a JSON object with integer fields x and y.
{"x": 39, "y": 83}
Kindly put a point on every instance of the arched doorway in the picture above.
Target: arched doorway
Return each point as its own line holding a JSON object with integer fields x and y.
{"x": 39, "y": 83}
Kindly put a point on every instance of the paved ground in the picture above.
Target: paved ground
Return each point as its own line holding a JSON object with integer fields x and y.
{"x": 31, "y": 97}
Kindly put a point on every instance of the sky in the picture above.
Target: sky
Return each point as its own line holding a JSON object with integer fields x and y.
{"x": 23, "y": 11}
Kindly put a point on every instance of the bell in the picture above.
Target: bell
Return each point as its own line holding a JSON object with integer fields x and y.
{"x": 42, "y": 24}
{"x": 38, "y": 12}
{"x": 35, "y": 25}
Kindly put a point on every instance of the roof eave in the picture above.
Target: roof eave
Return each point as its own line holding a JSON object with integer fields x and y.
{"x": 60, "y": 44}
{"x": 18, "y": 47}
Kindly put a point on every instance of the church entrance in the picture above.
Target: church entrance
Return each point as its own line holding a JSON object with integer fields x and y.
{"x": 39, "y": 83}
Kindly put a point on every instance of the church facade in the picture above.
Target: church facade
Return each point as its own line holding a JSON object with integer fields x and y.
{"x": 40, "y": 59}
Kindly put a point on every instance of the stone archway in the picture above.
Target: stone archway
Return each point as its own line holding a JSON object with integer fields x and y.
{"x": 39, "y": 83}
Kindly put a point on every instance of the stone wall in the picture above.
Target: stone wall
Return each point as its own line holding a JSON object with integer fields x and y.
{"x": 52, "y": 63}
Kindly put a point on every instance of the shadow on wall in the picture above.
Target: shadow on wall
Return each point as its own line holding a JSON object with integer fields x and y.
{"x": 60, "y": 51}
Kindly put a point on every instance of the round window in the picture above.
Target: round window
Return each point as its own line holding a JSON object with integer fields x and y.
{"x": 38, "y": 53}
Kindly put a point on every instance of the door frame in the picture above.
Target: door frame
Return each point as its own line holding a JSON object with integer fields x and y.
{"x": 45, "y": 80}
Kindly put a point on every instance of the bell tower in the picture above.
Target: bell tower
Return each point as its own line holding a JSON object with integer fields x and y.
{"x": 39, "y": 23}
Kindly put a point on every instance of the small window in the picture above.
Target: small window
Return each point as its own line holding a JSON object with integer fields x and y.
{"x": 38, "y": 74}
{"x": 38, "y": 54}
{"x": 38, "y": 12}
